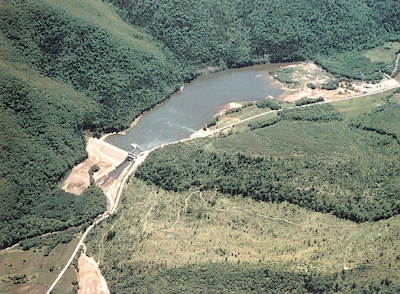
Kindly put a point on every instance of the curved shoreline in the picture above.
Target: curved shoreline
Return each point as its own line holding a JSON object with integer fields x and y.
{"x": 133, "y": 167}
{"x": 137, "y": 119}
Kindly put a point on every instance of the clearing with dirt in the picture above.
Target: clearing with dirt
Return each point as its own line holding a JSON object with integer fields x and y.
{"x": 90, "y": 278}
{"x": 105, "y": 155}
{"x": 306, "y": 73}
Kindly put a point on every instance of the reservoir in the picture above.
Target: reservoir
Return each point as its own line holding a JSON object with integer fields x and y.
{"x": 188, "y": 111}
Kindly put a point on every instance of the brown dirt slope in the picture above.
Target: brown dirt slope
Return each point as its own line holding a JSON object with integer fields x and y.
{"x": 105, "y": 155}
{"x": 90, "y": 278}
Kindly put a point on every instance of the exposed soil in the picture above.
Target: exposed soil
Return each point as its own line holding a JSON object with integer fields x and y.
{"x": 226, "y": 107}
{"x": 105, "y": 155}
{"x": 32, "y": 288}
{"x": 310, "y": 73}
{"x": 396, "y": 97}
{"x": 90, "y": 278}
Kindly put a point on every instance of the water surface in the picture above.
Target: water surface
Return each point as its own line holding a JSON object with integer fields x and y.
{"x": 188, "y": 111}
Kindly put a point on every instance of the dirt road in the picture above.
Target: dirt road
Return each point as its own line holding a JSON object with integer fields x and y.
{"x": 120, "y": 183}
{"x": 133, "y": 167}
{"x": 396, "y": 65}
{"x": 207, "y": 133}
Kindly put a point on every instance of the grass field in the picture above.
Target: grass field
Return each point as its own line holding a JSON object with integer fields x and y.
{"x": 385, "y": 53}
{"x": 247, "y": 111}
{"x": 358, "y": 106}
{"x": 349, "y": 108}
{"x": 155, "y": 230}
{"x": 40, "y": 270}
{"x": 65, "y": 285}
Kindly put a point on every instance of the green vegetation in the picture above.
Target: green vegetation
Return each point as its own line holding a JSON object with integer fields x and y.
{"x": 352, "y": 65}
{"x": 234, "y": 110}
{"x": 307, "y": 100}
{"x": 268, "y": 103}
{"x": 385, "y": 54}
{"x": 335, "y": 165}
{"x": 41, "y": 139}
{"x": 40, "y": 270}
{"x": 312, "y": 158}
{"x": 161, "y": 242}
{"x": 112, "y": 70}
{"x": 264, "y": 123}
{"x": 49, "y": 241}
{"x": 65, "y": 68}
{"x": 213, "y": 121}
{"x": 320, "y": 113}
{"x": 69, "y": 66}
{"x": 380, "y": 121}
{"x": 236, "y": 33}
{"x": 355, "y": 107}
{"x": 244, "y": 278}
{"x": 285, "y": 76}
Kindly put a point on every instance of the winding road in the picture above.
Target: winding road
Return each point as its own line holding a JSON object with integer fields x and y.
{"x": 133, "y": 167}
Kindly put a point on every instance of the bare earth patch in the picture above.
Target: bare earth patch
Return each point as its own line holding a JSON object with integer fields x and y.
{"x": 105, "y": 155}
{"x": 308, "y": 72}
{"x": 90, "y": 278}
{"x": 224, "y": 108}
{"x": 32, "y": 288}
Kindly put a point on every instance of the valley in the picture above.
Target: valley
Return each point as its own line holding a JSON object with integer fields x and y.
{"x": 293, "y": 192}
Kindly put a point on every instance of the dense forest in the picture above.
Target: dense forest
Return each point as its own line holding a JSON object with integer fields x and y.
{"x": 70, "y": 66}
{"x": 243, "y": 278}
{"x": 236, "y": 33}
{"x": 311, "y": 157}
{"x": 64, "y": 72}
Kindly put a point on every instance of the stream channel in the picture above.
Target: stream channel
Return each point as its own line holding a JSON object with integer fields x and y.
{"x": 188, "y": 111}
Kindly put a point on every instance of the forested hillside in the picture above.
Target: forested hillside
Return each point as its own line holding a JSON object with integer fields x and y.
{"x": 115, "y": 67}
{"x": 69, "y": 66}
{"x": 65, "y": 68}
{"x": 235, "y": 33}
{"x": 311, "y": 157}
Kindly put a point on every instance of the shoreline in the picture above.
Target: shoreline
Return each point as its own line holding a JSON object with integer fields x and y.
{"x": 301, "y": 90}
{"x": 137, "y": 119}
{"x": 206, "y": 72}
{"x": 129, "y": 171}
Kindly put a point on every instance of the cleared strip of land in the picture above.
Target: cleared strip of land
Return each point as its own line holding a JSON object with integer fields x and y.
{"x": 102, "y": 154}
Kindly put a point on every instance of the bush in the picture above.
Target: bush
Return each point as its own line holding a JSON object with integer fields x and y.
{"x": 213, "y": 122}
{"x": 316, "y": 113}
{"x": 268, "y": 103}
{"x": 233, "y": 110}
{"x": 306, "y": 100}
{"x": 263, "y": 124}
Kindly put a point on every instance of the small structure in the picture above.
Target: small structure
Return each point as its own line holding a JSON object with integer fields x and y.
{"x": 134, "y": 153}
{"x": 131, "y": 156}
